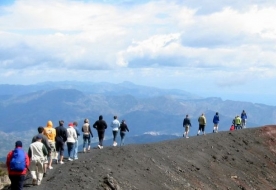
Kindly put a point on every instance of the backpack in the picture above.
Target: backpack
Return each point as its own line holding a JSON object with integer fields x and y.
{"x": 18, "y": 160}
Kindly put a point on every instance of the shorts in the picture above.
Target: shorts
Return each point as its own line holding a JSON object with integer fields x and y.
{"x": 53, "y": 149}
{"x": 60, "y": 147}
{"x": 187, "y": 127}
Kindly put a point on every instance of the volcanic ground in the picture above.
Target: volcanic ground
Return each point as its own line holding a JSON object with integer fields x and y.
{"x": 242, "y": 159}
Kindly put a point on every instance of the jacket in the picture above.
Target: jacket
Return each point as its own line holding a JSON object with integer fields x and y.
{"x": 27, "y": 162}
{"x": 187, "y": 121}
{"x": 216, "y": 119}
{"x": 202, "y": 120}
{"x": 71, "y": 135}
{"x": 243, "y": 116}
{"x": 115, "y": 124}
{"x": 50, "y": 132}
{"x": 37, "y": 151}
{"x": 237, "y": 120}
{"x": 86, "y": 129}
{"x": 123, "y": 127}
{"x": 100, "y": 125}
{"x": 61, "y": 134}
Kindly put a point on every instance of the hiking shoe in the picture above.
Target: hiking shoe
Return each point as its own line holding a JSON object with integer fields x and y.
{"x": 75, "y": 158}
{"x": 187, "y": 137}
{"x": 115, "y": 144}
{"x": 44, "y": 175}
{"x": 34, "y": 182}
{"x": 197, "y": 135}
{"x": 61, "y": 162}
{"x": 99, "y": 146}
{"x": 70, "y": 159}
{"x": 50, "y": 167}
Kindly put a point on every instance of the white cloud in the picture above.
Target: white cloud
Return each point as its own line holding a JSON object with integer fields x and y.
{"x": 153, "y": 39}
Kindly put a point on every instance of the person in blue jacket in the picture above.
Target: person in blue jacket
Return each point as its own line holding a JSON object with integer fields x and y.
{"x": 216, "y": 122}
{"x": 243, "y": 119}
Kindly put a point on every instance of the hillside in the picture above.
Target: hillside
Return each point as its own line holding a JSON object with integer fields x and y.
{"x": 243, "y": 159}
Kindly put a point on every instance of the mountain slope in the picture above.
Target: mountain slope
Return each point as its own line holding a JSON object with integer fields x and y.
{"x": 243, "y": 159}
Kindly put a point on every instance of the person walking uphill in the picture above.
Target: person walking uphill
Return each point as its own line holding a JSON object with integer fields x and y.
{"x": 186, "y": 124}
{"x": 50, "y": 133}
{"x": 17, "y": 164}
{"x": 61, "y": 138}
{"x": 86, "y": 135}
{"x": 202, "y": 123}
{"x": 100, "y": 125}
{"x": 76, "y": 146}
{"x": 72, "y": 136}
{"x": 115, "y": 124}
{"x": 123, "y": 129}
{"x": 238, "y": 122}
{"x": 37, "y": 152}
{"x": 243, "y": 119}
{"x": 216, "y": 122}
{"x": 44, "y": 140}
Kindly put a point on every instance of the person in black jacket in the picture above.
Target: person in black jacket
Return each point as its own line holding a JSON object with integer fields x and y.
{"x": 100, "y": 125}
{"x": 186, "y": 124}
{"x": 61, "y": 138}
{"x": 123, "y": 129}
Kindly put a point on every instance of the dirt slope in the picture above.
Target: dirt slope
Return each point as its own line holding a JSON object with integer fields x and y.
{"x": 243, "y": 159}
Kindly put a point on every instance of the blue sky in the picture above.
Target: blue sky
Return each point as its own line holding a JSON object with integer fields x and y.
{"x": 211, "y": 48}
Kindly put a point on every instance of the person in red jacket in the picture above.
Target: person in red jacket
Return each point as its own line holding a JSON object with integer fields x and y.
{"x": 17, "y": 177}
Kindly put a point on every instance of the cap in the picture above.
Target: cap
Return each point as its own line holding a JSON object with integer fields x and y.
{"x": 18, "y": 144}
{"x": 70, "y": 124}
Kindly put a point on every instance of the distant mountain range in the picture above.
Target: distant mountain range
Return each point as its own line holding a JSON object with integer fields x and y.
{"x": 146, "y": 109}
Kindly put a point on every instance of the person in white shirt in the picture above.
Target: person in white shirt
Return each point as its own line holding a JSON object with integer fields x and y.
{"x": 115, "y": 124}
{"x": 37, "y": 153}
{"x": 71, "y": 139}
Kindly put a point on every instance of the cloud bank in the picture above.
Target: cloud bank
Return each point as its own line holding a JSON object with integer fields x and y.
{"x": 219, "y": 44}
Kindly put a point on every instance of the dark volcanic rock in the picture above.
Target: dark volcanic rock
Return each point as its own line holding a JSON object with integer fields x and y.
{"x": 243, "y": 159}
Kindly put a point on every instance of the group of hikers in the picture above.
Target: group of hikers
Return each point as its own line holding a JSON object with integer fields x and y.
{"x": 239, "y": 122}
{"x": 49, "y": 145}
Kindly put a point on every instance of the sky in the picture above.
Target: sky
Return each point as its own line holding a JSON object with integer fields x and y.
{"x": 210, "y": 48}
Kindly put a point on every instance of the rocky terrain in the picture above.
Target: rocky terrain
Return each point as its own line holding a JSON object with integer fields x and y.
{"x": 243, "y": 159}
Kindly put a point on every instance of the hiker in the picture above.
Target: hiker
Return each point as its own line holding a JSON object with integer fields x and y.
{"x": 115, "y": 124}
{"x": 123, "y": 129}
{"x": 243, "y": 119}
{"x": 71, "y": 139}
{"x": 61, "y": 138}
{"x": 37, "y": 153}
{"x": 50, "y": 133}
{"x": 234, "y": 123}
{"x": 216, "y": 122}
{"x": 238, "y": 122}
{"x": 186, "y": 124}
{"x": 202, "y": 123}
{"x": 100, "y": 125}
{"x": 86, "y": 135}
{"x": 17, "y": 164}
{"x": 44, "y": 140}
{"x": 75, "y": 153}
